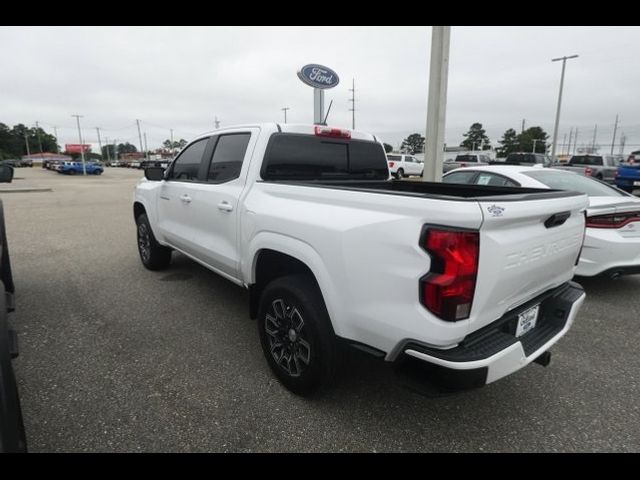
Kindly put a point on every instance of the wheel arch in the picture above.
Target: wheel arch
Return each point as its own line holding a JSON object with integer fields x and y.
{"x": 279, "y": 255}
{"x": 138, "y": 209}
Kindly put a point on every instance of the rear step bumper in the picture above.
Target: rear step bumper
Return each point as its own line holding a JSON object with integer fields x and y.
{"x": 494, "y": 351}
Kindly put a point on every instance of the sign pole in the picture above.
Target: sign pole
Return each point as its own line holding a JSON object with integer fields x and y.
{"x": 320, "y": 78}
{"x": 318, "y": 106}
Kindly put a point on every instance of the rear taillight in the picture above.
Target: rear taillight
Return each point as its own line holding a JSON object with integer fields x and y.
{"x": 332, "y": 132}
{"x": 613, "y": 220}
{"x": 447, "y": 290}
{"x": 588, "y": 171}
{"x": 391, "y": 164}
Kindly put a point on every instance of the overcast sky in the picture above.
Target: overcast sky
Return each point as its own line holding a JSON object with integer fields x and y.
{"x": 182, "y": 77}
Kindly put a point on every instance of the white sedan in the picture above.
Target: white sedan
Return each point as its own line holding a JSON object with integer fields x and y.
{"x": 612, "y": 241}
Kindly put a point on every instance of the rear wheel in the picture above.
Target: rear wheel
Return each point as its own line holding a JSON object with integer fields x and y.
{"x": 153, "y": 255}
{"x": 71, "y": 172}
{"x": 400, "y": 173}
{"x": 296, "y": 334}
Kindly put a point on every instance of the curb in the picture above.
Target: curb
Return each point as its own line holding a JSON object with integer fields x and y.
{"x": 23, "y": 190}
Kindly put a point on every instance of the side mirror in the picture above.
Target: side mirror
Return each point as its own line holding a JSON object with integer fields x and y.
{"x": 6, "y": 173}
{"x": 154, "y": 173}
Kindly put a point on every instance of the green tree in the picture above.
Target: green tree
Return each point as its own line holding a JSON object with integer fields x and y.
{"x": 476, "y": 138}
{"x": 508, "y": 143}
{"x": 109, "y": 151}
{"x": 126, "y": 148}
{"x": 13, "y": 141}
{"x": 388, "y": 148}
{"x": 175, "y": 145}
{"x": 526, "y": 140}
{"x": 414, "y": 143}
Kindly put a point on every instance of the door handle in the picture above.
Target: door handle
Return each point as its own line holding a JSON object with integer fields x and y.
{"x": 225, "y": 206}
{"x": 185, "y": 198}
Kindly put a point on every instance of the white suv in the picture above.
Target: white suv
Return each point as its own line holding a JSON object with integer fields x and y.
{"x": 404, "y": 165}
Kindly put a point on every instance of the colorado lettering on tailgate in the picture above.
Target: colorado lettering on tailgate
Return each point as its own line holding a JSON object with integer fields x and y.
{"x": 538, "y": 252}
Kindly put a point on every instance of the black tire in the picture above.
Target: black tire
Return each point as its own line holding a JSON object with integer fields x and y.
{"x": 296, "y": 335}
{"x": 12, "y": 433}
{"x": 153, "y": 255}
{"x": 97, "y": 172}
{"x": 71, "y": 172}
{"x": 400, "y": 173}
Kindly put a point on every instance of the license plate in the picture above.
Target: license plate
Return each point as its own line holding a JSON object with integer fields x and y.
{"x": 636, "y": 184}
{"x": 527, "y": 320}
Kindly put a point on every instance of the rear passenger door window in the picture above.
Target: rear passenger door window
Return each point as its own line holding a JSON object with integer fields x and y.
{"x": 185, "y": 168}
{"x": 228, "y": 155}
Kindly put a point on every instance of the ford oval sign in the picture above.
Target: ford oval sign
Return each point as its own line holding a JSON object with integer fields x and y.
{"x": 318, "y": 76}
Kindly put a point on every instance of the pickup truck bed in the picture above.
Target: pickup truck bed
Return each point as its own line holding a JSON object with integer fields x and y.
{"x": 309, "y": 220}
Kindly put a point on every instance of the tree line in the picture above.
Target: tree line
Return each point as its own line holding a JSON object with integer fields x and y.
{"x": 533, "y": 139}
{"x": 21, "y": 140}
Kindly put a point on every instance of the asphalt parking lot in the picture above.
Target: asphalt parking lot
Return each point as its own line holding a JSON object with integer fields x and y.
{"x": 117, "y": 358}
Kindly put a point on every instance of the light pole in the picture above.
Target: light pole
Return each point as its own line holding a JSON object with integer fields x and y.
{"x": 555, "y": 130}
{"x": 534, "y": 143}
{"x": 437, "y": 103}
{"x": 84, "y": 168}
{"x": 285, "y": 113}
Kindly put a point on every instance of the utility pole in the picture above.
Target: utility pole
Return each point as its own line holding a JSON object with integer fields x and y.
{"x": 564, "y": 141}
{"x": 623, "y": 140}
{"x": 575, "y": 142}
{"x": 569, "y": 145}
{"x": 555, "y": 130}
{"x": 593, "y": 144}
{"x": 115, "y": 149}
{"x": 84, "y": 167}
{"x": 26, "y": 142}
{"x": 285, "y": 113}
{"x": 55, "y": 131}
{"x": 538, "y": 140}
{"x": 353, "y": 104}
{"x": 146, "y": 147}
{"x": 217, "y": 122}
{"x": 106, "y": 144}
{"x": 39, "y": 142}
{"x": 522, "y": 131}
{"x": 139, "y": 135}
{"x": 38, "y": 135}
{"x": 615, "y": 128}
{"x": 100, "y": 142}
{"x": 437, "y": 103}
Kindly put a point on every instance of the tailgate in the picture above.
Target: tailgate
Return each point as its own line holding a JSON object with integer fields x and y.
{"x": 527, "y": 246}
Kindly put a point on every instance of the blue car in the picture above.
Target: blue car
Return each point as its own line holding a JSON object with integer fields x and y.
{"x": 628, "y": 177}
{"x": 71, "y": 168}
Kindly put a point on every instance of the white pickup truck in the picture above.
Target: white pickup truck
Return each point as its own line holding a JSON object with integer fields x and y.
{"x": 471, "y": 281}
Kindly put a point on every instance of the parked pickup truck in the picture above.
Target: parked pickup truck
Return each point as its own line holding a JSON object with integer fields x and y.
{"x": 468, "y": 159}
{"x": 596, "y": 166}
{"x": 73, "y": 168}
{"x": 471, "y": 281}
{"x": 628, "y": 177}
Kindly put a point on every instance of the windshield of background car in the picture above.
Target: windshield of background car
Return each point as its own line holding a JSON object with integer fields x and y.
{"x": 293, "y": 156}
{"x": 572, "y": 181}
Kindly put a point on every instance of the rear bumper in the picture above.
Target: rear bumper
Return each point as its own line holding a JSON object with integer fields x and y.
{"x": 609, "y": 249}
{"x": 494, "y": 352}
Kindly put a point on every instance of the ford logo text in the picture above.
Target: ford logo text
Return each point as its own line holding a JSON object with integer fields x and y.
{"x": 318, "y": 76}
